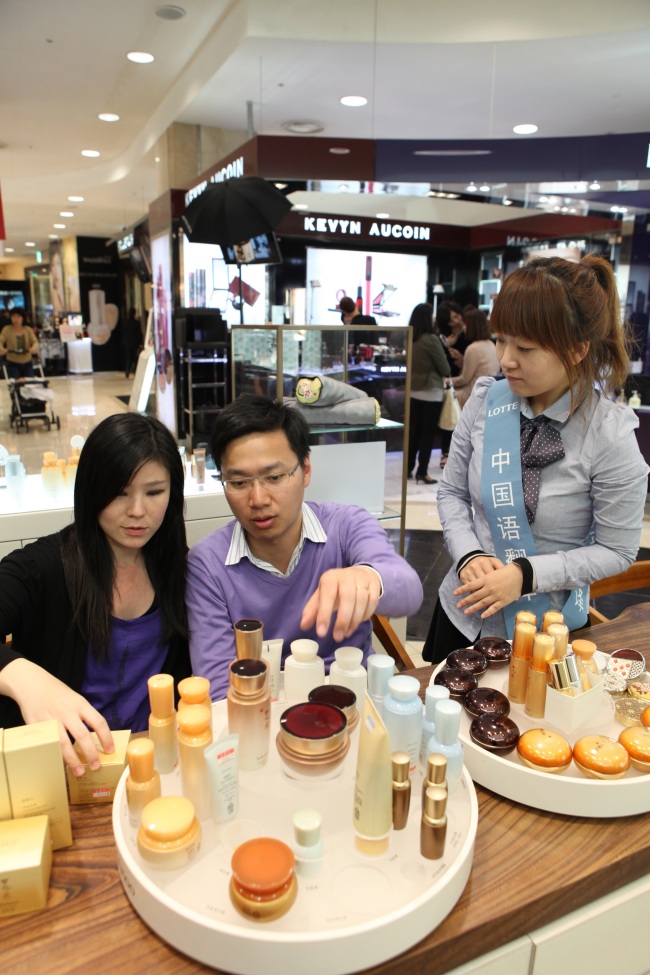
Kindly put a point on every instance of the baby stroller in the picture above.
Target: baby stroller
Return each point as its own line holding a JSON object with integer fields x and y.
{"x": 31, "y": 399}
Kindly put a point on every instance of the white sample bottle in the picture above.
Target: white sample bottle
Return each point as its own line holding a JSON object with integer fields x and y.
{"x": 381, "y": 668}
{"x": 307, "y": 843}
{"x": 402, "y": 714}
{"x": 347, "y": 671}
{"x": 303, "y": 671}
{"x": 433, "y": 694}
{"x": 444, "y": 740}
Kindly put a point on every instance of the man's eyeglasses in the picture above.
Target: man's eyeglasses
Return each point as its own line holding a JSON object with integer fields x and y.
{"x": 271, "y": 482}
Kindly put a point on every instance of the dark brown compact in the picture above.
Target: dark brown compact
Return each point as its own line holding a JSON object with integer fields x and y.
{"x": 495, "y": 650}
{"x": 486, "y": 700}
{"x": 498, "y": 735}
{"x": 456, "y": 681}
{"x": 469, "y": 661}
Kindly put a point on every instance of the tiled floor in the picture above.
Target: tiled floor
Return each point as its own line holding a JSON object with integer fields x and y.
{"x": 81, "y": 402}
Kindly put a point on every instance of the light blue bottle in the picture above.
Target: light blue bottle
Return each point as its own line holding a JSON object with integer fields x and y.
{"x": 403, "y": 716}
{"x": 380, "y": 669}
{"x": 445, "y": 740}
{"x": 434, "y": 693}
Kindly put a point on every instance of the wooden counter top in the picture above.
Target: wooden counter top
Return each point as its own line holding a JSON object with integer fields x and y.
{"x": 530, "y": 868}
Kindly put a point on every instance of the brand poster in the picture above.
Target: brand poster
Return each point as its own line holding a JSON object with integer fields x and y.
{"x": 162, "y": 330}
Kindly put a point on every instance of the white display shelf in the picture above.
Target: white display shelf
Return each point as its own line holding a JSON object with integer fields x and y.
{"x": 568, "y": 792}
{"x": 358, "y": 912}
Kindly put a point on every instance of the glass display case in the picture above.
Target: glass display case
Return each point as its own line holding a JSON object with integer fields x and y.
{"x": 490, "y": 281}
{"x": 269, "y": 360}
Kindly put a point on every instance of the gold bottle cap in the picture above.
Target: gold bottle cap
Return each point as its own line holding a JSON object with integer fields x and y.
{"x": 167, "y": 818}
{"x": 193, "y": 720}
{"x": 161, "y": 695}
{"x": 194, "y": 690}
{"x": 140, "y": 756}
{"x": 525, "y": 616}
{"x": 551, "y": 616}
{"x": 560, "y": 633}
{"x": 522, "y": 644}
{"x": 584, "y": 649}
{"x": 436, "y": 768}
{"x": 435, "y": 802}
{"x": 249, "y": 676}
{"x": 559, "y": 675}
{"x": 543, "y": 650}
{"x": 49, "y": 458}
{"x": 401, "y": 763}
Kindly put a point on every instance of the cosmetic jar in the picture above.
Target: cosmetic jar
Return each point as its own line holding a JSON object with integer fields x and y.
{"x": 639, "y": 690}
{"x": 626, "y": 663}
{"x": 457, "y": 682}
{"x": 544, "y": 750}
{"x": 468, "y": 661}
{"x": 313, "y": 740}
{"x": 636, "y": 742}
{"x": 486, "y": 700}
{"x": 498, "y": 735}
{"x": 628, "y": 711}
{"x": 600, "y": 757}
{"x": 263, "y": 885}
{"x": 645, "y": 718}
{"x": 496, "y": 651}
{"x": 341, "y": 697}
{"x": 169, "y": 837}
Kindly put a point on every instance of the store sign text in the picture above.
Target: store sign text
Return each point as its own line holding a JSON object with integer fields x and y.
{"x": 233, "y": 170}
{"x": 334, "y": 225}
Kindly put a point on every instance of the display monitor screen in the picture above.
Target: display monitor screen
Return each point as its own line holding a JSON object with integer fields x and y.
{"x": 263, "y": 249}
{"x": 11, "y": 299}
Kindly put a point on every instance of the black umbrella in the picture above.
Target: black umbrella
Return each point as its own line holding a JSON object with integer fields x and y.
{"x": 235, "y": 210}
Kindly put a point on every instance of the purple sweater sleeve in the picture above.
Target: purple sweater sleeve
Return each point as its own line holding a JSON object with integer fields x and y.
{"x": 219, "y": 595}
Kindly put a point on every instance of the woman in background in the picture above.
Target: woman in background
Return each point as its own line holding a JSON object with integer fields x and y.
{"x": 99, "y": 607}
{"x": 545, "y": 487}
{"x": 480, "y": 358}
{"x": 18, "y": 344}
{"x": 449, "y": 320}
{"x": 429, "y": 366}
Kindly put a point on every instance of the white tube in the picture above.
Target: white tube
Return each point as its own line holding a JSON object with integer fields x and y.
{"x": 222, "y": 761}
{"x": 373, "y": 790}
{"x": 272, "y": 654}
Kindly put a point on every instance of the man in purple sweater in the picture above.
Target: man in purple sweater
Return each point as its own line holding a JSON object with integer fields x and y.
{"x": 289, "y": 563}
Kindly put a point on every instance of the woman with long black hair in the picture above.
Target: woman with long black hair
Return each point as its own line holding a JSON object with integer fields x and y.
{"x": 429, "y": 367}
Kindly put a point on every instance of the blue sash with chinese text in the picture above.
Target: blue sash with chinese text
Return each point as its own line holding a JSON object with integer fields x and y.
{"x": 503, "y": 501}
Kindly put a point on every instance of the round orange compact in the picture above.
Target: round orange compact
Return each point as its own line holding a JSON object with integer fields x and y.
{"x": 636, "y": 742}
{"x": 544, "y": 750}
{"x": 600, "y": 757}
{"x": 263, "y": 884}
{"x": 645, "y": 718}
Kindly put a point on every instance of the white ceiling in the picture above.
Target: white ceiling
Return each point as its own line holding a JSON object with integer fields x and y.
{"x": 430, "y": 69}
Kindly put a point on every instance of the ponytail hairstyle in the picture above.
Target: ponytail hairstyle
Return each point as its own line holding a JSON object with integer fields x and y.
{"x": 558, "y": 304}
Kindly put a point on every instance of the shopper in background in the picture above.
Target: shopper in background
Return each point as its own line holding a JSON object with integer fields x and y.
{"x": 449, "y": 320}
{"x": 350, "y": 314}
{"x": 480, "y": 358}
{"x": 545, "y": 487}
{"x": 18, "y": 344}
{"x": 429, "y": 367}
{"x": 97, "y": 608}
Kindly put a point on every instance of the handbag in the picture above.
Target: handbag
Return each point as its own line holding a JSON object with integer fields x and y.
{"x": 450, "y": 412}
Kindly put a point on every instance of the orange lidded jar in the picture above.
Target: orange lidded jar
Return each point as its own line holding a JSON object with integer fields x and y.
{"x": 263, "y": 884}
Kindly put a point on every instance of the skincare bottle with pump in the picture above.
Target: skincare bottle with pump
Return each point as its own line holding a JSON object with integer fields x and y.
{"x": 347, "y": 671}
{"x": 435, "y": 774}
{"x": 307, "y": 843}
{"x": 403, "y": 716}
{"x": 522, "y": 651}
{"x": 433, "y": 830}
{"x": 303, "y": 671}
{"x": 249, "y": 711}
{"x": 162, "y": 722}
{"x": 142, "y": 782}
{"x": 434, "y": 693}
{"x": 401, "y": 789}
{"x": 194, "y": 736}
{"x": 543, "y": 651}
{"x": 195, "y": 690}
{"x": 444, "y": 740}
{"x": 381, "y": 668}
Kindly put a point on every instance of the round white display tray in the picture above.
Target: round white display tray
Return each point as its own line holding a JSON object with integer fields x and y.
{"x": 358, "y": 912}
{"x": 569, "y": 792}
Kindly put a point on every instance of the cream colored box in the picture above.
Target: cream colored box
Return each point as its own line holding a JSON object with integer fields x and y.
{"x": 570, "y": 713}
{"x": 36, "y": 778}
{"x": 5, "y": 801}
{"x": 25, "y": 864}
{"x": 100, "y": 786}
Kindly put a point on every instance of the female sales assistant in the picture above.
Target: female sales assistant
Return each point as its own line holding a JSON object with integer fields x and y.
{"x": 545, "y": 488}
{"x": 99, "y": 607}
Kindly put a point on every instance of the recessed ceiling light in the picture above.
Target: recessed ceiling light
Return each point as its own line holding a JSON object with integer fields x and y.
{"x": 156, "y": 159}
{"x": 140, "y": 57}
{"x": 484, "y": 188}
{"x": 452, "y": 196}
{"x": 108, "y": 117}
{"x": 30, "y": 243}
{"x": 525, "y": 129}
{"x": 382, "y": 216}
{"x": 595, "y": 185}
{"x": 53, "y": 236}
{"x": 9, "y": 250}
{"x": 59, "y": 226}
{"x": 471, "y": 188}
{"x": 281, "y": 186}
{"x": 303, "y": 126}
{"x": 170, "y": 12}
{"x": 339, "y": 151}
{"x": 506, "y": 202}
{"x": 354, "y": 101}
{"x": 90, "y": 153}
{"x": 75, "y": 199}
{"x": 543, "y": 199}
{"x": 300, "y": 206}
{"x": 66, "y": 213}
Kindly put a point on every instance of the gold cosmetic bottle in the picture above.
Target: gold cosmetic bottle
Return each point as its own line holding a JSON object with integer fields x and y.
{"x": 162, "y": 722}
{"x": 142, "y": 782}
{"x": 195, "y": 690}
{"x": 194, "y": 736}
{"x": 400, "y": 762}
{"x": 249, "y": 711}
{"x": 433, "y": 829}
{"x": 522, "y": 650}
{"x": 435, "y": 774}
{"x": 543, "y": 650}
{"x": 560, "y": 633}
